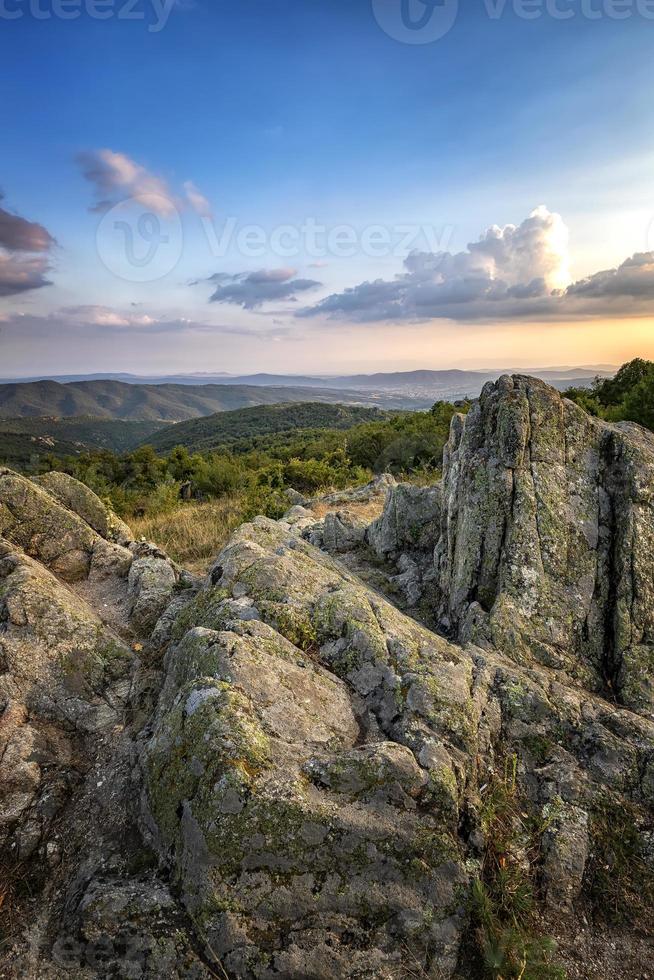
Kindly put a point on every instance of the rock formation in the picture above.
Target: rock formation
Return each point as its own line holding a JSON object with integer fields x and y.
{"x": 545, "y": 538}
{"x": 277, "y": 773}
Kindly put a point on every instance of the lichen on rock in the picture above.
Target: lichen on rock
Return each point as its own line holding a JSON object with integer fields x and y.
{"x": 277, "y": 773}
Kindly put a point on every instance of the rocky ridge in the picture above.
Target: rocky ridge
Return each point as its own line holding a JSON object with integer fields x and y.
{"x": 283, "y": 771}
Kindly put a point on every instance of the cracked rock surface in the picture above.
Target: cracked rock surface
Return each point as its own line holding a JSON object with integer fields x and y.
{"x": 277, "y": 773}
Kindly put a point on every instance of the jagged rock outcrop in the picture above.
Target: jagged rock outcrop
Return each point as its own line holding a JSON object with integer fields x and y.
{"x": 409, "y": 524}
{"x": 69, "y": 613}
{"x": 547, "y": 536}
{"x": 63, "y": 675}
{"x": 277, "y": 773}
{"x": 283, "y": 818}
{"x": 539, "y": 539}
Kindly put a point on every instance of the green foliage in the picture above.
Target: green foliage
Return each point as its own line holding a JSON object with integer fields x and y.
{"x": 613, "y": 391}
{"x": 258, "y": 469}
{"x": 407, "y": 442}
{"x": 503, "y": 899}
{"x": 247, "y": 429}
{"x": 629, "y": 396}
{"x": 296, "y": 626}
{"x": 26, "y": 442}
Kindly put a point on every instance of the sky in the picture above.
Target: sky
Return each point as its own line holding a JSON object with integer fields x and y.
{"x": 325, "y": 186}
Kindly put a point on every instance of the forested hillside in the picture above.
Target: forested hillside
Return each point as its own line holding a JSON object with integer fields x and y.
{"x": 23, "y": 441}
{"x": 247, "y": 426}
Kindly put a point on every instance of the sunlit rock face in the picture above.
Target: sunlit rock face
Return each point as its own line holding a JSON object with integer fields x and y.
{"x": 546, "y": 538}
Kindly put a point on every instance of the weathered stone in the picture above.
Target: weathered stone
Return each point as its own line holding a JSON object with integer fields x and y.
{"x": 342, "y": 533}
{"x": 31, "y": 518}
{"x": 78, "y": 498}
{"x": 272, "y": 816}
{"x": 58, "y": 662}
{"x": 409, "y": 523}
{"x": 129, "y": 929}
{"x": 150, "y": 588}
{"x": 546, "y": 537}
{"x": 566, "y": 853}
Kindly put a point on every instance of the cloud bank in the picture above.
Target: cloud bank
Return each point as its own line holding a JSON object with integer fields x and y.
{"x": 514, "y": 272}
{"x": 24, "y": 253}
{"x": 90, "y": 321}
{"x": 251, "y": 289}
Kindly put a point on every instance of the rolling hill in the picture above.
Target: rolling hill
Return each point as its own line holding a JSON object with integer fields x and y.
{"x": 24, "y": 440}
{"x": 226, "y": 429}
{"x": 21, "y": 451}
{"x": 171, "y": 402}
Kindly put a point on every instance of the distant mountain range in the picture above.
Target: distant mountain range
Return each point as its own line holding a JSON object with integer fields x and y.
{"x": 67, "y": 417}
{"x": 130, "y": 398}
{"x": 395, "y": 379}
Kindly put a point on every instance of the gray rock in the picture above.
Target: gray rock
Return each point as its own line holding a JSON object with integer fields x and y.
{"x": 342, "y": 533}
{"x": 546, "y": 537}
{"x": 409, "y": 523}
{"x": 150, "y": 588}
{"x": 566, "y": 846}
{"x": 79, "y": 499}
{"x": 58, "y": 663}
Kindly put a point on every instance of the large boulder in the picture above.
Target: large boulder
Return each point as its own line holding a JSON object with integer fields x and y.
{"x": 409, "y": 523}
{"x": 78, "y": 498}
{"x": 304, "y": 775}
{"x": 45, "y": 529}
{"x": 69, "y": 530}
{"x": 547, "y": 535}
{"x": 63, "y": 675}
{"x": 316, "y": 771}
{"x": 73, "y": 692}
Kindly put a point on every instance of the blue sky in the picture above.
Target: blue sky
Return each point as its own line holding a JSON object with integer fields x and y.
{"x": 286, "y": 111}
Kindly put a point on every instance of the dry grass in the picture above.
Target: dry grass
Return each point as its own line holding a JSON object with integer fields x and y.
{"x": 367, "y": 510}
{"x": 192, "y": 534}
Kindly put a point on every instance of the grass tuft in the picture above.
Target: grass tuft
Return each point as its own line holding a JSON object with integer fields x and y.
{"x": 193, "y": 534}
{"x": 503, "y": 899}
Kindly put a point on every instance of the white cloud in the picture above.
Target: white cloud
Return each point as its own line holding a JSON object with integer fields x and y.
{"x": 91, "y": 321}
{"x": 511, "y": 272}
{"x": 200, "y": 204}
{"x": 116, "y": 178}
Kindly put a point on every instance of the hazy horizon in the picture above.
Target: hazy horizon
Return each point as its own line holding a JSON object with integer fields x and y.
{"x": 487, "y": 369}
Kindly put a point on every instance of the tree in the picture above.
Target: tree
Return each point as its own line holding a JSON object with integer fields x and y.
{"x": 612, "y": 391}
